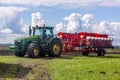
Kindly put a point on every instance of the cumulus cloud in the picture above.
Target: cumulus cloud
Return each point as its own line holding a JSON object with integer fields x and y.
{"x": 59, "y": 27}
{"x": 87, "y": 21}
{"x": 107, "y": 27}
{"x": 37, "y": 19}
{"x": 73, "y": 25}
{"x": 9, "y": 17}
{"x": 10, "y": 23}
{"x": 76, "y": 23}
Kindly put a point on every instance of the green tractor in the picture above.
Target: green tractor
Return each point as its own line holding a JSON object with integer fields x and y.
{"x": 40, "y": 42}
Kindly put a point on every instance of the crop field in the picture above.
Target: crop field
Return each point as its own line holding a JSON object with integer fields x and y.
{"x": 66, "y": 67}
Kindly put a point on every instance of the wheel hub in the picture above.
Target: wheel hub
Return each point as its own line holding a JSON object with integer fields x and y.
{"x": 36, "y": 51}
{"x": 56, "y": 48}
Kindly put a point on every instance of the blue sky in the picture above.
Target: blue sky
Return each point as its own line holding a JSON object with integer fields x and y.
{"x": 101, "y": 16}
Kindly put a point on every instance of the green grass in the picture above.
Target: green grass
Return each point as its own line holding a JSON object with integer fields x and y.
{"x": 63, "y": 68}
{"x": 86, "y": 68}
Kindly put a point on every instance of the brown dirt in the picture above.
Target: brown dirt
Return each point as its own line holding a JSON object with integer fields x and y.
{"x": 34, "y": 71}
{"x": 7, "y": 69}
{"x": 25, "y": 70}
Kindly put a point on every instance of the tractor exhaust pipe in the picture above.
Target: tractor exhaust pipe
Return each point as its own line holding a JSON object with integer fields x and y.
{"x": 30, "y": 30}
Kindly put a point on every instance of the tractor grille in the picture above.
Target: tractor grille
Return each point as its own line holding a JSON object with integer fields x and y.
{"x": 18, "y": 44}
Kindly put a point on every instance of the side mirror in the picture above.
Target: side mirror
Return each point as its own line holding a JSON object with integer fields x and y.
{"x": 30, "y": 30}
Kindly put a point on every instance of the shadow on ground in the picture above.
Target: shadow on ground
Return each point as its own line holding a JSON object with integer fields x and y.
{"x": 13, "y": 70}
{"x": 107, "y": 56}
{"x": 61, "y": 57}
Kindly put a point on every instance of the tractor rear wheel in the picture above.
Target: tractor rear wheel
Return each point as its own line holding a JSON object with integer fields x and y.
{"x": 101, "y": 52}
{"x": 33, "y": 50}
{"x": 55, "y": 48}
{"x": 20, "y": 54}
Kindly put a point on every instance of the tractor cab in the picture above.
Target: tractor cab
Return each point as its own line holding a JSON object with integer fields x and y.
{"x": 43, "y": 32}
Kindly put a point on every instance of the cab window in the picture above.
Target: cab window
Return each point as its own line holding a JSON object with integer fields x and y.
{"x": 38, "y": 32}
{"x": 48, "y": 33}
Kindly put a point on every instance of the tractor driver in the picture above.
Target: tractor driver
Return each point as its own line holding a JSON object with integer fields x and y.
{"x": 48, "y": 33}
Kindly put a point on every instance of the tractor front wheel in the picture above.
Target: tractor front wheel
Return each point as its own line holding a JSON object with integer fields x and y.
{"x": 55, "y": 48}
{"x": 33, "y": 50}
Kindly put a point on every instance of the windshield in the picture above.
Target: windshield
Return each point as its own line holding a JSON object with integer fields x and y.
{"x": 38, "y": 32}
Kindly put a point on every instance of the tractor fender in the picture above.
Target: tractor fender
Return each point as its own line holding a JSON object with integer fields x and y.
{"x": 52, "y": 39}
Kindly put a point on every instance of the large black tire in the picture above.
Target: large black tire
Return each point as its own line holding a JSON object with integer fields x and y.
{"x": 20, "y": 54}
{"x": 101, "y": 52}
{"x": 85, "y": 53}
{"x": 33, "y": 50}
{"x": 55, "y": 48}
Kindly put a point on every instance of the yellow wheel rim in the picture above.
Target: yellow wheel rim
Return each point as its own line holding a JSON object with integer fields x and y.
{"x": 56, "y": 48}
{"x": 36, "y": 51}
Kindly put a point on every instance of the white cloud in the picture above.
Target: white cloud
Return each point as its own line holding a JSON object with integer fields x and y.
{"x": 37, "y": 19}
{"x": 87, "y": 20}
{"x": 63, "y": 3}
{"x": 74, "y": 22}
{"x": 25, "y": 28}
{"x": 12, "y": 8}
{"x": 6, "y": 31}
{"x": 60, "y": 27}
{"x": 10, "y": 23}
{"x": 9, "y": 17}
{"x": 107, "y": 27}
{"x": 109, "y": 3}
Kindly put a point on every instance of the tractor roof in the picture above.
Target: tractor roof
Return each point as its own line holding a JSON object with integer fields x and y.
{"x": 47, "y": 27}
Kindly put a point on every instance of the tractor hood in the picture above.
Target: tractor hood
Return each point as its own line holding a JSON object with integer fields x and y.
{"x": 30, "y": 38}
{"x": 22, "y": 43}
